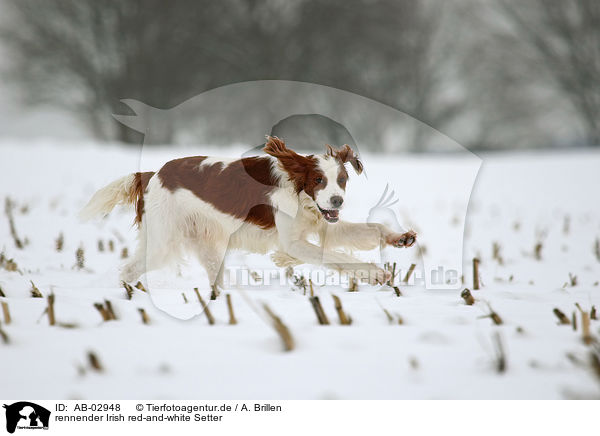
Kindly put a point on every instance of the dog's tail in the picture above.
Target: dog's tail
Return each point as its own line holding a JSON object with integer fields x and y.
{"x": 126, "y": 190}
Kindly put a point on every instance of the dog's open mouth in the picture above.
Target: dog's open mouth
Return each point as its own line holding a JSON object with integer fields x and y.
{"x": 331, "y": 215}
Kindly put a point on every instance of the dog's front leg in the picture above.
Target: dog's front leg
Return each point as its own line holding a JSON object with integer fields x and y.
{"x": 309, "y": 253}
{"x": 313, "y": 254}
{"x": 364, "y": 236}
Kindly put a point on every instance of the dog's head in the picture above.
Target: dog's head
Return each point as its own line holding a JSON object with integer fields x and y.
{"x": 322, "y": 177}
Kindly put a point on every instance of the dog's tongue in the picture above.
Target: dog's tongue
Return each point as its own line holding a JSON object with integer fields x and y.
{"x": 332, "y": 214}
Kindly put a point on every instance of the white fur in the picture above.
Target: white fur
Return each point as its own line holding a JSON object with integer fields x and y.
{"x": 330, "y": 168}
{"x": 216, "y": 160}
{"x": 177, "y": 222}
{"x": 105, "y": 200}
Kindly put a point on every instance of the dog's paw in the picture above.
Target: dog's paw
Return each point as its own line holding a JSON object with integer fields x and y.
{"x": 402, "y": 239}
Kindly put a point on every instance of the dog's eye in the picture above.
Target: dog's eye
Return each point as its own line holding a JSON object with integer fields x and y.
{"x": 342, "y": 181}
{"x": 319, "y": 180}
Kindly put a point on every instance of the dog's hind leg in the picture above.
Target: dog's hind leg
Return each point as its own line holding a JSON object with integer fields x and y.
{"x": 133, "y": 269}
{"x": 136, "y": 266}
{"x": 211, "y": 255}
{"x": 149, "y": 255}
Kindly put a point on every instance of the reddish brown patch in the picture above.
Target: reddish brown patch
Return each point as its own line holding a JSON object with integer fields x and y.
{"x": 303, "y": 171}
{"x": 346, "y": 154}
{"x": 240, "y": 188}
{"x": 136, "y": 195}
{"x": 314, "y": 181}
{"x": 342, "y": 178}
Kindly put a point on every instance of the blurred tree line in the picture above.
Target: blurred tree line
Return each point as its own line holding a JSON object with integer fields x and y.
{"x": 489, "y": 73}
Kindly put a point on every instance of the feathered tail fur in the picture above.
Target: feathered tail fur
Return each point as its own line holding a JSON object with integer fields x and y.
{"x": 126, "y": 190}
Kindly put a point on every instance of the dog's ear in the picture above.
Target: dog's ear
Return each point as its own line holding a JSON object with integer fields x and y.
{"x": 296, "y": 165}
{"x": 276, "y": 147}
{"x": 346, "y": 154}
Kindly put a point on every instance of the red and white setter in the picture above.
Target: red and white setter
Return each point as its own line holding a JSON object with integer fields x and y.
{"x": 275, "y": 203}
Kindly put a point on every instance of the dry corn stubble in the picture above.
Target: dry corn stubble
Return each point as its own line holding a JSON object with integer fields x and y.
{"x": 281, "y": 329}
{"x": 232, "y": 319}
{"x": 6, "y": 313}
{"x": 35, "y": 292}
{"x": 144, "y": 315}
{"x": 562, "y": 318}
{"x": 50, "y": 310}
{"x": 344, "y": 318}
{"x": 466, "y": 295}
{"x": 476, "y": 284}
{"x": 316, "y": 305}
{"x": 409, "y": 273}
{"x": 94, "y": 362}
{"x": 205, "y": 308}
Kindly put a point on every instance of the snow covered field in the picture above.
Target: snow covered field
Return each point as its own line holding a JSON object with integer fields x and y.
{"x": 443, "y": 349}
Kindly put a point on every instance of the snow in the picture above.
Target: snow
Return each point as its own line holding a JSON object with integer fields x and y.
{"x": 443, "y": 349}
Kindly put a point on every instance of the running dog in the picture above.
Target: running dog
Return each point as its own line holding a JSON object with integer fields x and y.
{"x": 274, "y": 203}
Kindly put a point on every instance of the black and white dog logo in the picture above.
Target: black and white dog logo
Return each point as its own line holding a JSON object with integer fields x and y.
{"x": 26, "y": 415}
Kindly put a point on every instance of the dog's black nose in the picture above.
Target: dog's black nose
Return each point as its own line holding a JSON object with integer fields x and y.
{"x": 336, "y": 201}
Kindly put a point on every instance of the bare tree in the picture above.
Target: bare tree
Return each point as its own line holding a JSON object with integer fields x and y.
{"x": 564, "y": 38}
{"x": 388, "y": 50}
{"x": 87, "y": 55}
